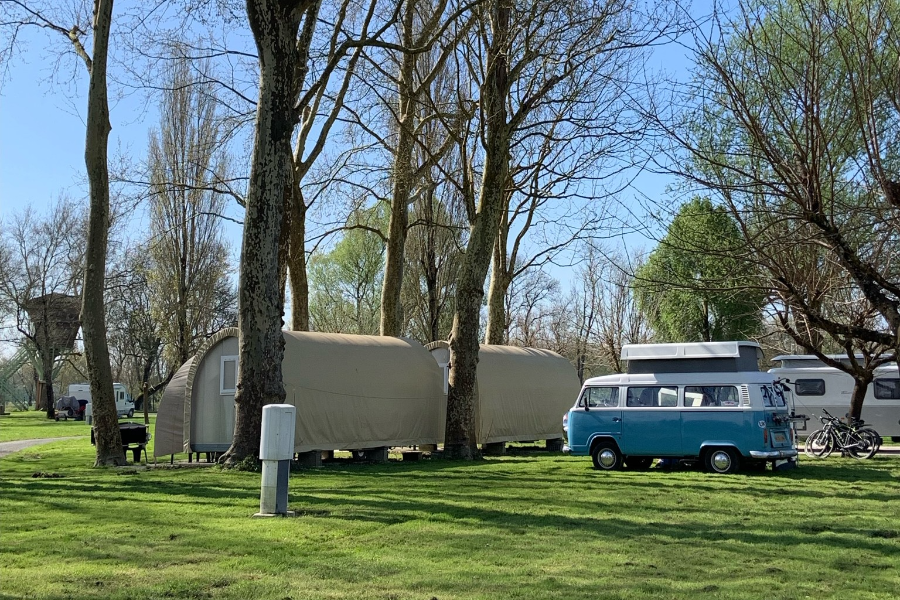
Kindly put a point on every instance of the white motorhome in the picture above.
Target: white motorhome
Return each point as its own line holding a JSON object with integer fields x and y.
{"x": 124, "y": 403}
{"x": 816, "y": 386}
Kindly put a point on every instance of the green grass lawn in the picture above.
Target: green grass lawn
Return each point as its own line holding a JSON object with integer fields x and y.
{"x": 27, "y": 425}
{"x": 532, "y": 526}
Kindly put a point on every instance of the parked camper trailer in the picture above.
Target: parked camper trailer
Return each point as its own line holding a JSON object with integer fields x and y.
{"x": 815, "y": 386}
{"x": 124, "y": 403}
{"x": 705, "y": 402}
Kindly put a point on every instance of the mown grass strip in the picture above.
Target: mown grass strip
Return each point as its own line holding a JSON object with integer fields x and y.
{"x": 530, "y": 526}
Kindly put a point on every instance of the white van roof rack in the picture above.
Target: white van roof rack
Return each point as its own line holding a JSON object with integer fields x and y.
{"x": 684, "y": 350}
{"x": 692, "y": 357}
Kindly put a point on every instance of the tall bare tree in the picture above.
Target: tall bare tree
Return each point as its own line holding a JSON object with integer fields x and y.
{"x": 275, "y": 25}
{"x": 571, "y": 131}
{"x": 93, "y": 314}
{"x": 422, "y": 24}
{"x": 85, "y": 23}
{"x": 320, "y": 99}
{"x": 495, "y": 28}
{"x": 511, "y": 36}
{"x": 189, "y": 274}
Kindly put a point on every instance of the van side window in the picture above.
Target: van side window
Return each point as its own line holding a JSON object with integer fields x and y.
{"x": 600, "y": 397}
{"x": 655, "y": 397}
{"x": 887, "y": 389}
{"x": 809, "y": 387}
{"x": 716, "y": 396}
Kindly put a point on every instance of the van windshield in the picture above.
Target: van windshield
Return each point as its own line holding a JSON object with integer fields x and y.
{"x": 596, "y": 397}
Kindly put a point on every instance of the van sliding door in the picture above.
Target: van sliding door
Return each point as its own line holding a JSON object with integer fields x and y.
{"x": 651, "y": 421}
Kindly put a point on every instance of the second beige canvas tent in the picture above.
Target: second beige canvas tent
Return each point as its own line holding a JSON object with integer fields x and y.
{"x": 522, "y": 392}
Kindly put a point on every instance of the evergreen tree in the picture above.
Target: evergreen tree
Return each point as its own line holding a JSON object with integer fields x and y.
{"x": 696, "y": 285}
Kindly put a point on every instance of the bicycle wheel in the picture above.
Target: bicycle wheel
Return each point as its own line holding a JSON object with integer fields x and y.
{"x": 860, "y": 445}
{"x": 819, "y": 444}
{"x": 876, "y": 438}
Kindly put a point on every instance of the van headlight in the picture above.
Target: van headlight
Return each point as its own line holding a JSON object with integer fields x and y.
{"x": 566, "y": 422}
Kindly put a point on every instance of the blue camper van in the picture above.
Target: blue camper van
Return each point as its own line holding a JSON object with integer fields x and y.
{"x": 705, "y": 402}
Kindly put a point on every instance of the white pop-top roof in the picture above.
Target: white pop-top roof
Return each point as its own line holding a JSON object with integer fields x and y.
{"x": 684, "y": 350}
{"x": 698, "y": 378}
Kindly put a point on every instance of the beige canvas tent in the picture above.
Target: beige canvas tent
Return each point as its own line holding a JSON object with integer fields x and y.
{"x": 522, "y": 392}
{"x": 355, "y": 391}
{"x": 351, "y": 392}
{"x": 168, "y": 438}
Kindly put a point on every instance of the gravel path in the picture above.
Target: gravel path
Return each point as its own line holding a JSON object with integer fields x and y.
{"x": 10, "y": 447}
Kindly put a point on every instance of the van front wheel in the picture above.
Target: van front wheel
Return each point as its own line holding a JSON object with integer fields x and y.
{"x": 606, "y": 457}
{"x": 721, "y": 460}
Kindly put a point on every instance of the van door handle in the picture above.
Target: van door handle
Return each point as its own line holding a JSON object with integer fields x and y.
{"x": 616, "y": 420}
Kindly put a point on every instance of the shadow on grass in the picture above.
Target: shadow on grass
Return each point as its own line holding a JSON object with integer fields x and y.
{"x": 77, "y": 488}
{"x": 391, "y": 511}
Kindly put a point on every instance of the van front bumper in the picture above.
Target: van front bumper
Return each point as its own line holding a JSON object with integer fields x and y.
{"x": 773, "y": 454}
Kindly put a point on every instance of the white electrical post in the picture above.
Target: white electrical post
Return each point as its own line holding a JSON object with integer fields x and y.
{"x": 276, "y": 449}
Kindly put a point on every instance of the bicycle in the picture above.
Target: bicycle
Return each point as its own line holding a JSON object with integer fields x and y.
{"x": 859, "y": 442}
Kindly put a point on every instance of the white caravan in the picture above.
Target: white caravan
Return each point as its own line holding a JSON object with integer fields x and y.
{"x": 816, "y": 386}
{"x": 124, "y": 403}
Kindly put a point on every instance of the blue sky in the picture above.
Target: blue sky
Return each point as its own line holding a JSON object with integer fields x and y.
{"x": 42, "y": 132}
{"x": 41, "y": 140}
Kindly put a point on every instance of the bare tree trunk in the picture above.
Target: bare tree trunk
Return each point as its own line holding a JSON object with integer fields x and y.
{"x": 38, "y": 391}
{"x": 391, "y": 317}
{"x": 860, "y": 386}
{"x": 500, "y": 281}
{"x": 284, "y": 239}
{"x": 434, "y": 304}
{"x": 47, "y": 365}
{"x": 501, "y": 278}
{"x": 297, "y": 258}
{"x": 706, "y": 327}
{"x": 460, "y": 438}
{"x": 274, "y": 24}
{"x": 93, "y": 314}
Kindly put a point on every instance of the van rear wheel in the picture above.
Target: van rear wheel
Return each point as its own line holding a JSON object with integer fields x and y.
{"x": 606, "y": 456}
{"x": 721, "y": 460}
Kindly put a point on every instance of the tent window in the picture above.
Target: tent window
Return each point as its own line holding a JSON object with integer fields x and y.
{"x": 445, "y": 367}
{"x": 228, "y": 376}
